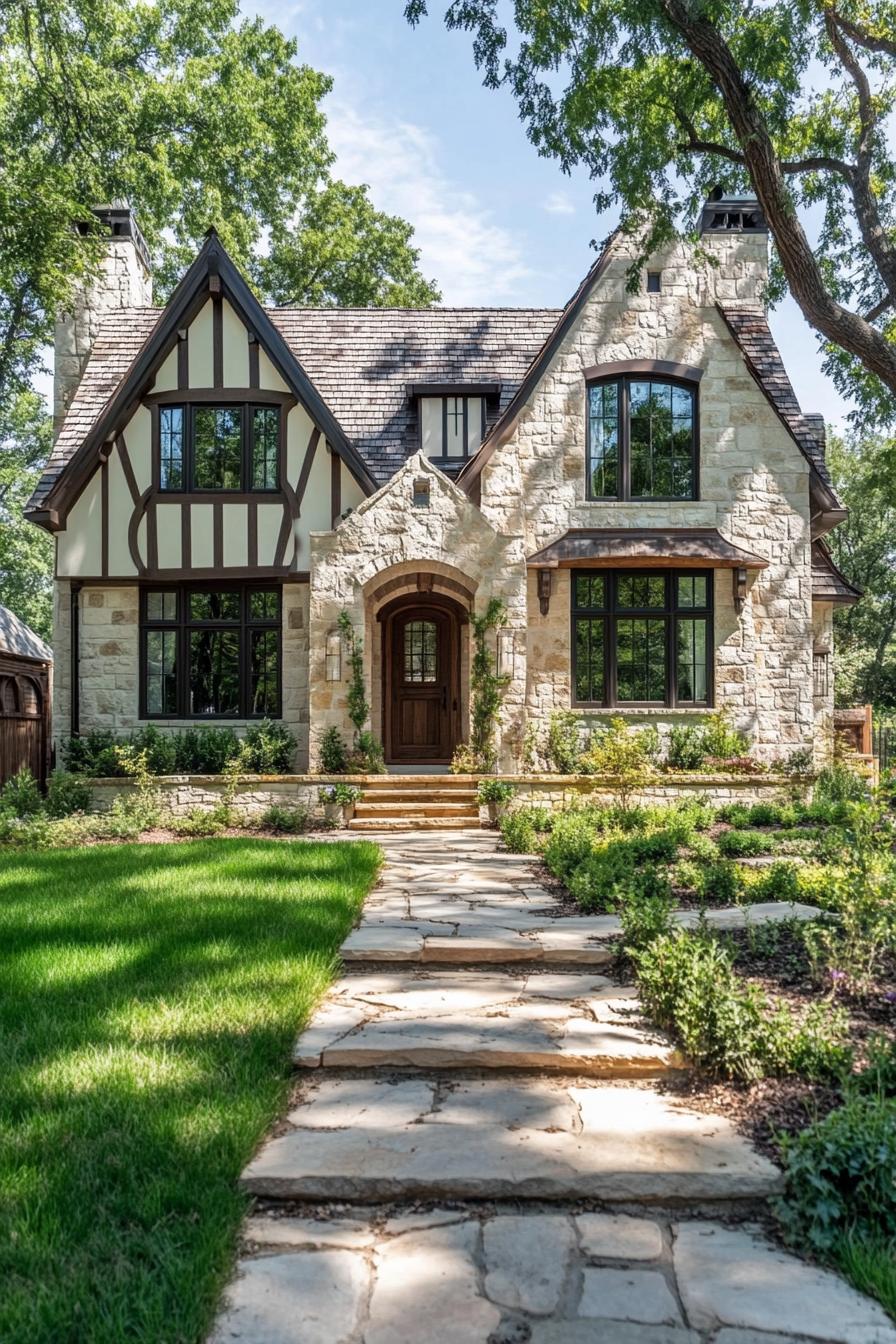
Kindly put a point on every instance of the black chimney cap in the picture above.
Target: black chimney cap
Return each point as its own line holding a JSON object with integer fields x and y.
{"x": 119, "y": 221}
{"x": 732, "y": 214}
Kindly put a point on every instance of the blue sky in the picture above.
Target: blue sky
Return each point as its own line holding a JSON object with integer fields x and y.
{"x": 495, "y": 223}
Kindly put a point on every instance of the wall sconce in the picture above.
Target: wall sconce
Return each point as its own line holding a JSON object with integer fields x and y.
{"x": 740, "y": 589}
{"x": 545, "y": 584}
{"x": 506, "y": 650}
{"x": 334, "y": 656}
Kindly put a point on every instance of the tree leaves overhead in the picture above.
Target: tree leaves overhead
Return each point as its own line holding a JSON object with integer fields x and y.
{"x": 26, "y": 553}
{"x": 196, "y": 118}
{"x": 662, "y": 100}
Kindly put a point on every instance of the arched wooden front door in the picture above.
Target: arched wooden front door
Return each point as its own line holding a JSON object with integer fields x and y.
{"x": 421, "y": 680}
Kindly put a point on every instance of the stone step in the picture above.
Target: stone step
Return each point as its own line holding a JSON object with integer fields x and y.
{"x": 418, "y": 794}
{"x": 415, "y": 824}
{"x": 416, "y": 807}
{"x": 455, "y": 783}
{"x": 462, "y": 1019}
{"x": 368, "y": 1139}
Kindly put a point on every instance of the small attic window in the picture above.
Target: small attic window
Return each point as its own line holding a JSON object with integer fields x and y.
{"x": 421, "y": 492}
{"x": 451, "y": 428}
{"x": 654, "y": 282}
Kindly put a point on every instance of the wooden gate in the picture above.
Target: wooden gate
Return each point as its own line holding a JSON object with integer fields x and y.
{"x": 24, "y": 717}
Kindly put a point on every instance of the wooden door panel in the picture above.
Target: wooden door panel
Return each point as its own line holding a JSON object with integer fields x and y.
{"x": 421, "y": 652}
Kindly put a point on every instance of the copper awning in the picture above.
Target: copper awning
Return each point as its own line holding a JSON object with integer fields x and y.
{"x": 646, "y": 547}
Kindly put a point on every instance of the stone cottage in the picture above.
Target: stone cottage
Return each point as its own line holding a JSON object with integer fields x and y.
{"x": 631, "y": 475}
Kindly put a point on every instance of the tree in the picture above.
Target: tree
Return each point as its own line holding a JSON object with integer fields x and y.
{"x": 26, "y": 553}
{"x": 196, "y": 118}
{"x": 663, "y": 99}
{"x": 864, "y": 548}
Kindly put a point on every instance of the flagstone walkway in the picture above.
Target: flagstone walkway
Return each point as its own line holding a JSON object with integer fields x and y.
{"x": 479, "y": 1152}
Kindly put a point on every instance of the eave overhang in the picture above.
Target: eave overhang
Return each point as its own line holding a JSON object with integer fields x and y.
{"x": 647, "y": 547}
{"x": 828, "y": 584}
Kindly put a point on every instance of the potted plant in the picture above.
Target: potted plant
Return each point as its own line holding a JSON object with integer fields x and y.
{"x": 494, "y": 794}
{"x": 338, "y": 802}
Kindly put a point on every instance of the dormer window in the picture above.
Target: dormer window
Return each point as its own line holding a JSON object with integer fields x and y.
{"x": 219, "y": 448}
{"x": 452, "y": 418}
{"x": 642, "y": 439}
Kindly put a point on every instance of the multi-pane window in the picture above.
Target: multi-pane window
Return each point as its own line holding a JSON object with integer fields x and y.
{"x": 420, "y": 651}
{"x": 642, "y": 441}
{"x": 451, "y": 427}
{"x": 211, "y": 652}
{"x": 642, "y": 637}
{"x": 204, "y": 447}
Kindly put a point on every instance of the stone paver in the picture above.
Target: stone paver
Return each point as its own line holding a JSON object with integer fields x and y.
{"x": 463, "y": 961}
{"x": 492, "y": 1139}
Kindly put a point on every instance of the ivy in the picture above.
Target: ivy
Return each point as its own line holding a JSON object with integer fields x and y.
{"x": 358, "y": 704}
{"x": 480, "y": 755}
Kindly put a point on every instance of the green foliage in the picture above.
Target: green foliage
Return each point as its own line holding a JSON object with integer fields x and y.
{"x": 779, "y": 882}
{"x": 356, "y": 699}
{"x": 869, "y": 1262}
{"x": 26, "y": 552}
{"x": 522, "y": 829}
{"x": 789, "y": 101}
{"x": 838, "y": 784}
{"x": 564, "y": 744}
{"x": 198, "y": 822}
{"x": 20, "y": 796}
{"x": 333, "y": 752}
{"x": 719, "y": 739}
{"x": 268, "y": 749}
{"x": 623, "y": 756}
{"x": 66, "y": 794}
{"x": 497, "y": 791}
{"x": 480, "y": 754}
{"x": 839, "y": 1175}
{"x": 284, "y": 820}
{"x": 366, "y": 757}
{"x": 687, "y": 984}
{"x": 742, "y": 844}
{"x": 343, "y": 795}
{"x": 645, "y": 917}
{"x": 685, "y": 748}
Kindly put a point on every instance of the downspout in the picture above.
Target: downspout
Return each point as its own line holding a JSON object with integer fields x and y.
{"x": 75, "y": 725}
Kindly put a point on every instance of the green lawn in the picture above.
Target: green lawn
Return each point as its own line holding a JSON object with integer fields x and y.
{"x": 149, "y": 995}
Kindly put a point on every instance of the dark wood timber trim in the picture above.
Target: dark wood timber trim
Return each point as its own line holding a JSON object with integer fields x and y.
{"x": 308, "y": 462}
{"x": 75, "y": 663}
{"x": 155, "y": 466}
{"x": 104, "y": 521}
{"x": 220, "y": 496}
{"x": 186, "y": 536}
{"x": 183, "y": 359}
{"x": 152, "y": 537}
{"x": 256, "y": 396}
{"x": 454, "y": 389}
{"x": 127, "y": 468}
{"x": 217, "y": 340}
{"x": 263, "y": 574}
{"x": 335, "y": 486}
{"x": 134, "y": 528}
{"x": 218, "y": 534}
{"x": 252, "y": 534}
{"x": 254, "y": 376}
{"x": 662, "y": 368}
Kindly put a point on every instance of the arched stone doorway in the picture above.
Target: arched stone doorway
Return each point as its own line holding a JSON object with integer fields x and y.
{"x": 421, "y": 656}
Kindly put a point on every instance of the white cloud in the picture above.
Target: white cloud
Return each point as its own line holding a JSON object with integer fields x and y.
{"x": 558, "y": 203}
{"x": 474, "y": 261}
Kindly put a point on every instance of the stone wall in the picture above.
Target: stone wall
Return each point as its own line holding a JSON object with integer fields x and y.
{"x": 754, "y": 486}
{"x": 109, "y": 664}
{"x": 560, "y": 790}
{"x": 181, "y": 793}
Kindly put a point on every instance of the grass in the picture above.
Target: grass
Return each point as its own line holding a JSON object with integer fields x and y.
{"x": 149, "y": 995}
{"x": 870, "y": 1265}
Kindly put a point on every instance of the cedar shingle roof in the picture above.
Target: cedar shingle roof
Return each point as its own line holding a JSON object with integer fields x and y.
{"x": 828, "y": 584}
{"x": 18, "y": 638}
{"x": 749, "y": 327}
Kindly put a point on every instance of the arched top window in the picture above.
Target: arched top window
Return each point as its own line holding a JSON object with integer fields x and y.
{"x": 642, "y": 438}
{"x": 9, "y": 696}
{"x": 30, "y": 698}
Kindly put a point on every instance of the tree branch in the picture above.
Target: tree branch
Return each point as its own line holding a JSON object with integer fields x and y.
{"x": 878, "y": 310}
{"x": 821, "y": 163}
{"x": 821, "y": 309}
{"x": 710, "y": 147}
{"x": 863, "y": 36}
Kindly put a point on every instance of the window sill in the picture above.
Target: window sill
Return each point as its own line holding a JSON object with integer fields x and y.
{"x": 646, "y": 712}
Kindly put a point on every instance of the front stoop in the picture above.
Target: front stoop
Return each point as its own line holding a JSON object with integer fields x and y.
{"x": 417, "y": 802}
{"x": 476, "y": 1155}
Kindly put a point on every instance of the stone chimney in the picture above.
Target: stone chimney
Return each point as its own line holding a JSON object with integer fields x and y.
{"x": 124, "y": 281}
{"x": 733, "y": 229}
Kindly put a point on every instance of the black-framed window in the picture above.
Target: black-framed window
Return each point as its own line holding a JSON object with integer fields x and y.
{"x": 642, "y": 438}
{"x": 219, "y": 448}
{"x": 642, "y": 637}
{"x": 210, "y": 651}
{"x": 451, "y": 427}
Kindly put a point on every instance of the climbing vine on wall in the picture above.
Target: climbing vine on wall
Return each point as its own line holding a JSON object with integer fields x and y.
{"x": 366, "y": 756}
{"x": 480, "y": 754}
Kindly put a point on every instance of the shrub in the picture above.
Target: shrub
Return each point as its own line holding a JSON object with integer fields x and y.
{"x": 573, "y": 836}
{"x": 20, "y": 796}
{"x": 645, "y": 917}
{"x": 366, "y": 757}
{"x": 838, "y": 1174}
{"x": 521, "y": 829}
{"x": 624, "y": 756}
{"x": 720, "y": 882}
{"x": 268, "y": 749}
{"x": 343, "y": 795}
{"x": 686, "y": 750}
{"x": 741, "y": 844}
{"x": 688, "y": 985}
{"x": 66, "y": 794}
{"x": 201, "y": 821}
{"x": 333, "y": 752}
{"x": 564, "y": 747}
{"x": 92, "y": 754}
{"x": 284, "y": 819}
{"x": 838, "y": 784}
{"x": 720, "y": 740}
{"x": 497, "y": 791}
{"x": 778, "y": 882}
{"x": 205, "y": 750}
{"x": 764, "y": 814}
{"x": 32, "y": 832}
